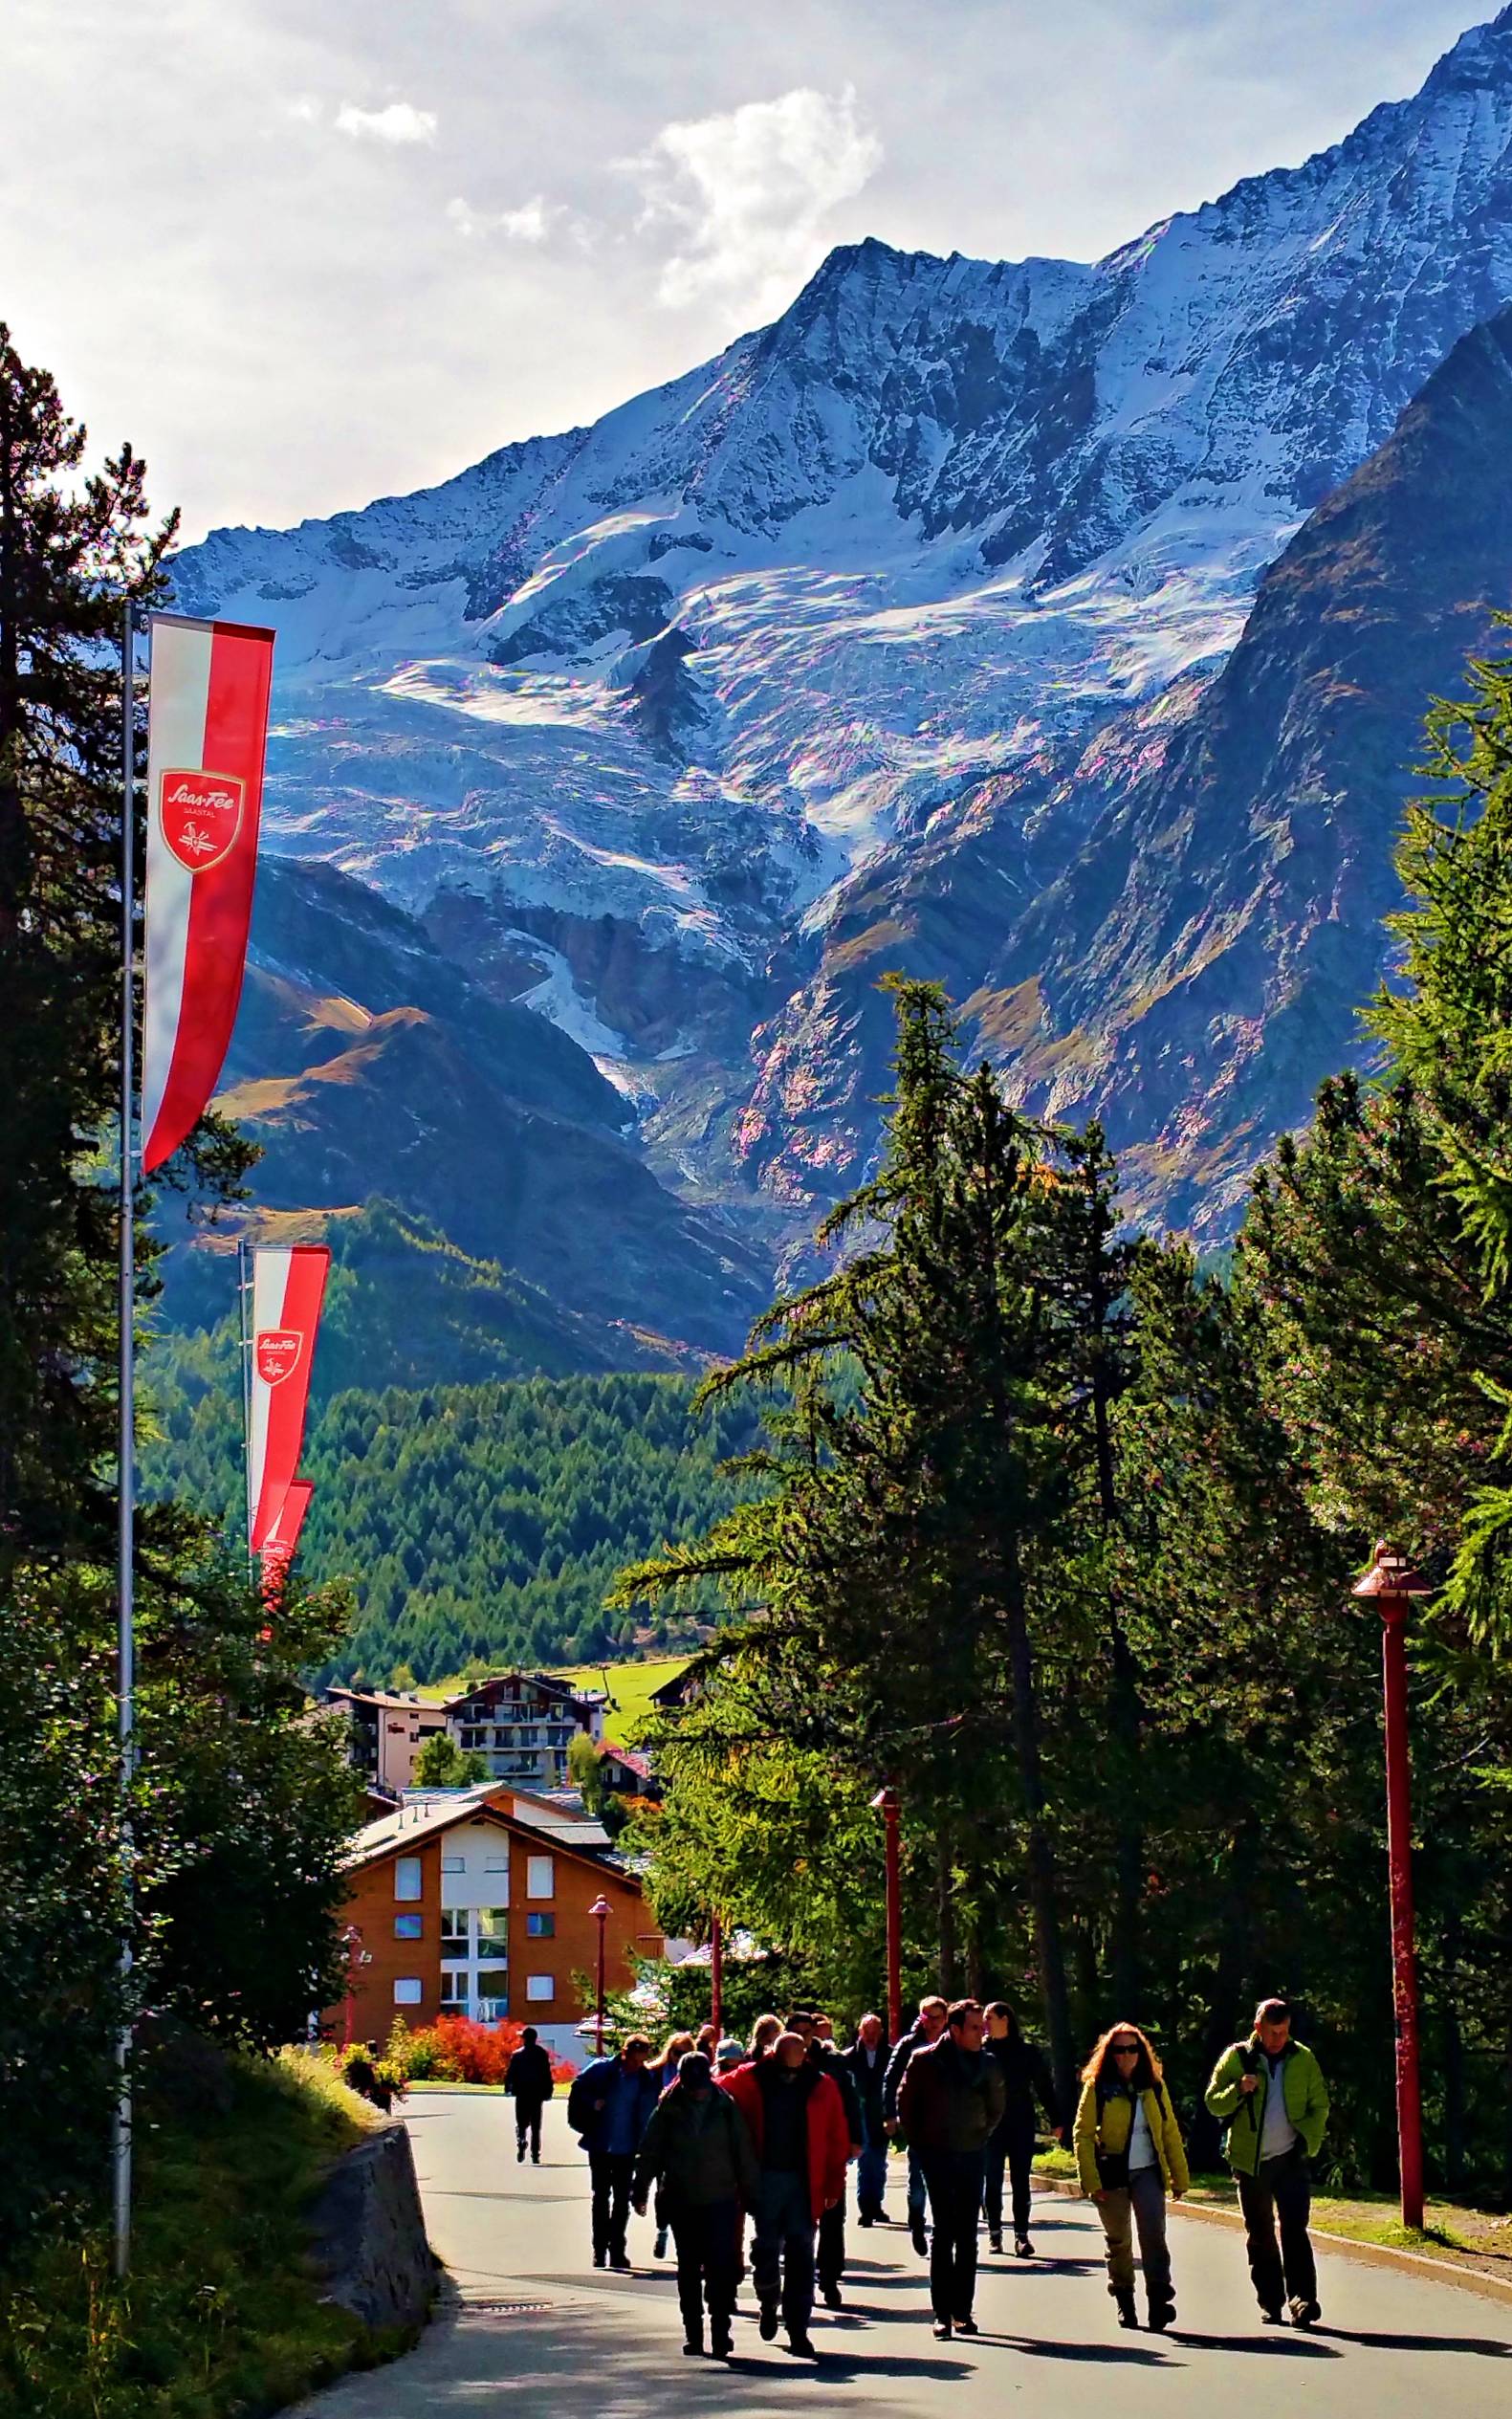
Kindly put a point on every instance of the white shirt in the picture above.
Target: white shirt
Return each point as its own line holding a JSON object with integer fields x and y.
{"x": 1278, "y": 2133}
{"x": 1141, "y": 2144}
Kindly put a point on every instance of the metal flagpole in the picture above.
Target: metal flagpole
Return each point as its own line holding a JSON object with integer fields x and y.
{"x": 126, "y": 1472}
{"x": 242, "y": 1281}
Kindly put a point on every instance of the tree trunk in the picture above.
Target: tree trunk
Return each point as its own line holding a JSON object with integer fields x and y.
{"x": 947, "y": 1913}
{"x": 1228, "y": 1979}
{"x": 1454, "y": 2062}
{"x": 1128, "y": 1717}
{"x": 1039, "y": 1857}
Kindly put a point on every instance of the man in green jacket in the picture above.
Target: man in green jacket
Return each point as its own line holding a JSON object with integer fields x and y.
{"x": 1270, "y": 2093}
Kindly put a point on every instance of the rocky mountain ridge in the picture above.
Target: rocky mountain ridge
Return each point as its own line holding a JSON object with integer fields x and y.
{"x": 837, "y": 653}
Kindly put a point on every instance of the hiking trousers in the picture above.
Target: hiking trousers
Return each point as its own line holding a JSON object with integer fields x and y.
{"x": 1280, "y": 2190}
{"x": 1138, "y": 2207}
{"x": 707, "y": 2234}
{"x": 953, "y": 2179}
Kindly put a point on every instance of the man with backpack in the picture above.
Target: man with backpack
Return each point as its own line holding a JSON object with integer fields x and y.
{"x": 608, "y": 2108}
{"x": 1270, "y": 2093}
{"x": 698, "y": 2147}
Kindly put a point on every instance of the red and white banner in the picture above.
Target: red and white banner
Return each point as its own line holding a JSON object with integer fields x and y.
{"x": 288, "y": 1287}
{"x": 207, "y": 731}
{"x": 278, "y": 1550}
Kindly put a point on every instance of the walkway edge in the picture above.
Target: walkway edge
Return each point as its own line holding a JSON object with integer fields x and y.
{"x": 1372, "y": 2254}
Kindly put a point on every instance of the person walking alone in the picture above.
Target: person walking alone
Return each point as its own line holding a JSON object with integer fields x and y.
{"x": 608, "y": 2108}
{"x": 925, "y": 2032}
{"x": 867, "y": 2060}
{"x": 951, "y": 2102}
{"x": 1025, "y": 2071}
{"x": 528, "y": 2083}
{"x": 1129, "y": 2155}
{"x": 803, "y": 2143}
{"x": 698, "y": 2152}
{"x": 1270, "y": 2093}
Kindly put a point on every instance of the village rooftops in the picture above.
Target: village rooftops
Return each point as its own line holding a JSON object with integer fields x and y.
{"x": 425, "y": 1812}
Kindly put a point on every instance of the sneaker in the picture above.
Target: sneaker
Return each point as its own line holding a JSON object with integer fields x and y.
{"x": 994, "y": 2239}
{"x": 768, "y": 2322}
{"x": 865, "y": 2218}
{"x": 694, "y": 2348}
{"x": 519, "y": 2153}
{"x": 599, "y": 2259}
{"x": 801, "y": 2348}
{"x": 830, "y": 2295}
{"x": 1162, "y": 2314}
{"x": 622, "y": 2266}
{"x": 967, "y": 2326}
{"x": 1128, "y": 2315}
{"x": 1273, "y": 2317}
{"x": 534, "y": 2158}
{"x": 1022, "y": 2247}
{"x": 721, "y": 2344}
{"x": 659, "y": 2246}
{"x": 942, "y": 2330}
{"x": 1306, "y": 2312}
{"x": 920, "y": 2239}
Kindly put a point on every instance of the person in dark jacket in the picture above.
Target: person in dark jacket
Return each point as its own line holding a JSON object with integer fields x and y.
{"x": 797, "y": 2124}
{"x": 698, "y": 2149}
{"x": 925, "y": 2032}
{"x": 951, "y": 2102}
{"x": 867, "y": 2060}
{"x": 528, "y": 2083}
{"x": 830, "y": 2262}
{"x": 608, "y": 2108}
{"x": 1026, "y": 2073}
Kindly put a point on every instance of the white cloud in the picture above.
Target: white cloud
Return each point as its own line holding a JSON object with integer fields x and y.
{"x": 531, "y": 224}
{"x": 744, "y": 193}
{"x": 400, "y": 122}
{"x": 304, "y": 111}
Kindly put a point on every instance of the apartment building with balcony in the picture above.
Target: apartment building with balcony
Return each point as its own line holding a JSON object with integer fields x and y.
{"x": 479, "y": 1903}
{"x": 524, "y": 1723}
{"x": 387, "y": 1731}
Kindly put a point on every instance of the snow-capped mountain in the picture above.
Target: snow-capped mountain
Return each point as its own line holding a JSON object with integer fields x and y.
{"x": 629, "y": 714}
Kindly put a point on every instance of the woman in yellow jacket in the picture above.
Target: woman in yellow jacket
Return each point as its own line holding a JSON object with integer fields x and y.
{"x": 1129, "y": 2154}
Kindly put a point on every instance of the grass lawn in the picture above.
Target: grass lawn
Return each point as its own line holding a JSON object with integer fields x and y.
{"x": 220, "y": 2312}
{"x": 630, "y": 1686}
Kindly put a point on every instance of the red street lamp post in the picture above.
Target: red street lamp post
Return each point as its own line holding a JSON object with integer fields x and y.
{"x": 1393, "y": 1583}
{"x": 600, "y": 1911}
{"x": 716, "y": 1977}
{"x": 887, "y": 1804}
{"x": 355, "y": 1955}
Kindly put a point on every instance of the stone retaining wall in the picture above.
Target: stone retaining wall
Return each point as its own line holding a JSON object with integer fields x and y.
{"x": 369, "y": 2235}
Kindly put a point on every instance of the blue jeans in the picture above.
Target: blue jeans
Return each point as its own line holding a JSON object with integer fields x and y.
{"x": 872, "y": 2178}
{"x": 918, "y": 2192}
{"x": 783, "y": 2246}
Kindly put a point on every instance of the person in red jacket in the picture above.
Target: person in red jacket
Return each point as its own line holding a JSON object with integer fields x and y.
{"x": 803, "y": 2143}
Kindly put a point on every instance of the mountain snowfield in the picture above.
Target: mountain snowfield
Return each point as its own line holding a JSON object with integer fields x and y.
{"x": 641, "y": 711}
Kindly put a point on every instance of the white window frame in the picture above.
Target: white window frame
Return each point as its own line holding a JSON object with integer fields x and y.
{"x": 536, "y": 1887}
{"x": 406, "y": 1869}
{"x": 540, "y": 1989}
{"x": 409, "y": 1990}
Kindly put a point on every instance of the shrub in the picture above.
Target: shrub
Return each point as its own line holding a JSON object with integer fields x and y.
{"x": 457, "y": 2049}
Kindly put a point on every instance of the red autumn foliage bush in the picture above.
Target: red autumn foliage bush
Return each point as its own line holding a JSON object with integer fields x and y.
{"x": 457, "y": 2049}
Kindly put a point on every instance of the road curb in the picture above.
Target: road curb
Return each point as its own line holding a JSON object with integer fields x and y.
{"x": 1372, "y": 2254}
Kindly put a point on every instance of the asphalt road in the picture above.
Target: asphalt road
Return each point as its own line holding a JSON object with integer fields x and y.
{"x": 540, "y": 2333}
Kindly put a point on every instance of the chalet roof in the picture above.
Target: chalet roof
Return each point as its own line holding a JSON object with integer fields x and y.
{"x": 496, "y": 1681}
{"x": 384, "y": 1698}
{"x": 633, "y": 1762}
{"x": 430, "y": 1813}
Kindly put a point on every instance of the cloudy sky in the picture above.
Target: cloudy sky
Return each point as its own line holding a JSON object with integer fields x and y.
{"x": 304, "y": 252}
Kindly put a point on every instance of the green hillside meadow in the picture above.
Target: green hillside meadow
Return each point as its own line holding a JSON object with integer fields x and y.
{"x": 478, "y": 1523}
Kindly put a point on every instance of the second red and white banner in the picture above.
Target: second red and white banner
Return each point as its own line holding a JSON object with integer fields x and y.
{"x": 288, "y": 1289}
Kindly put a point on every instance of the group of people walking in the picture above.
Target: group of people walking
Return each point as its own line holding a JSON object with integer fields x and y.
{"x": 722, "y": 2138}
